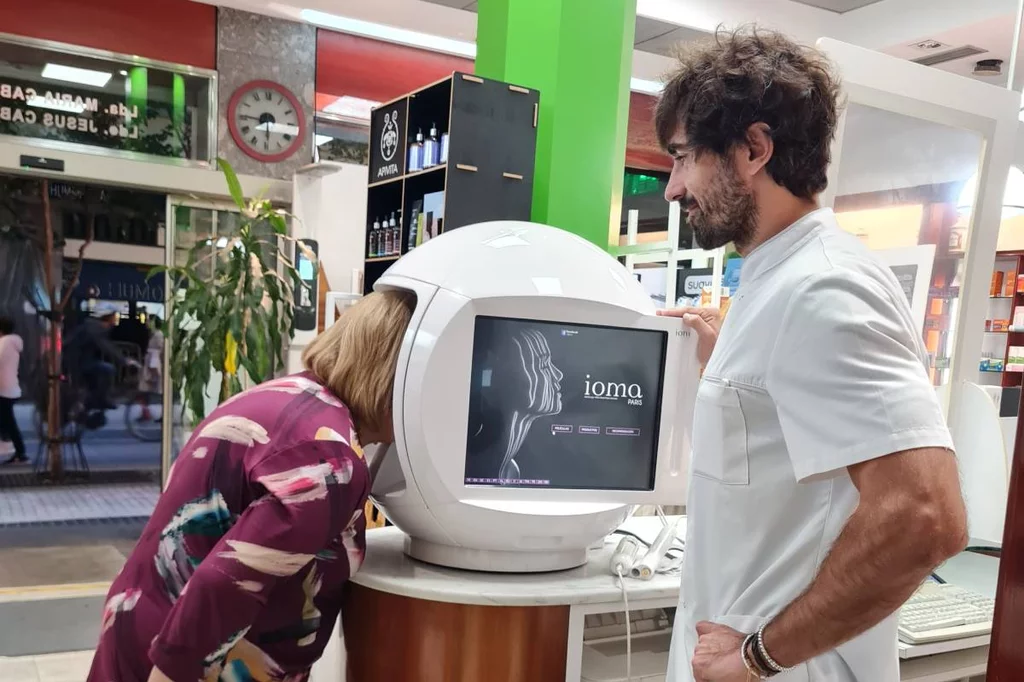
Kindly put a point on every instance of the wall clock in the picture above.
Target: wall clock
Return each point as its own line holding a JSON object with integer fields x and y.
{"x": 266, "y": 121}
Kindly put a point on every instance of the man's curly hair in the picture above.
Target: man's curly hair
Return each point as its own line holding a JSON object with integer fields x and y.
{"x": 738, "y": 78}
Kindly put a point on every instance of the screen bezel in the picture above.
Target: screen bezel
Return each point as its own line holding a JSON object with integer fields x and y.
{"x": 432, "y": 396}
{"x": 652, "y": 474}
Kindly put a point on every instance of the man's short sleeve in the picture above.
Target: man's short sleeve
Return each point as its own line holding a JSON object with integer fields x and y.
{"x": 846, "y": 377}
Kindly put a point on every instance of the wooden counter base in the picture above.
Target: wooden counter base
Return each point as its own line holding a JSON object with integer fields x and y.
{"x": 390, "y": 638}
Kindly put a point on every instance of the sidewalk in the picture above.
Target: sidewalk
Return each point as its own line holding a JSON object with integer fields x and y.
{"x": 67, "y": 667}
{"x": 20, "y": 506}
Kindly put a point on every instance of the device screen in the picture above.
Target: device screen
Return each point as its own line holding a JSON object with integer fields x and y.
{"x": 571, "y": 406}
{"x": 306, "y": 291}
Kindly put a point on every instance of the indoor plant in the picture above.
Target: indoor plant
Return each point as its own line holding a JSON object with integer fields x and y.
{"x": 232, "y": 303}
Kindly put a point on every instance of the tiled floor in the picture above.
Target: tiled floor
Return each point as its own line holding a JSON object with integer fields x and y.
{"x": 67, "y": 667}
{"x": 114, "y": 501}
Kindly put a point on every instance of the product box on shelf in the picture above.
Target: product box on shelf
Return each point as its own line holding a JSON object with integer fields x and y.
{"x": 1018, "y": 319}
{"x": 997, "y": 283}
{"x": 1015, "y": 359}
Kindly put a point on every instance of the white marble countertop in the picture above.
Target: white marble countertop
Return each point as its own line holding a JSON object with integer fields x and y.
{"x": 388, "y": 569}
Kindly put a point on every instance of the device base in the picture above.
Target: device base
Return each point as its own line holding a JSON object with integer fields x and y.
{"x": 494, "y": 561}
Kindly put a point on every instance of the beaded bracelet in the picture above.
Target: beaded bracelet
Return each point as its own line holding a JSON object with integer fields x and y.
{"x": 765, "y": 656}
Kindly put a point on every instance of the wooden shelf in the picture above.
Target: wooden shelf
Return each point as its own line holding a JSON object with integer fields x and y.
{"x": 399, "y": 178}
{"x": 432, "y": 169}
{"x": 382, "y": 259}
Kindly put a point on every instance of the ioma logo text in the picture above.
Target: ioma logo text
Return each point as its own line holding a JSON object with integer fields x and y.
{"x": 610, "y": 390}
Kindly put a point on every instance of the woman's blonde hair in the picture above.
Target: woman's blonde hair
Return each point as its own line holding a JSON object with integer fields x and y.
{"x": 357, "y": 356}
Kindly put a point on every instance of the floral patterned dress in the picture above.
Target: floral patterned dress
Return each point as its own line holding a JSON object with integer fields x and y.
{"x": 238, "y": 574}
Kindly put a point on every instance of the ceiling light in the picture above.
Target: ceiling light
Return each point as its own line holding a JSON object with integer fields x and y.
{"x": 73, "y": 74}
{"x": 645, "y": 86}
{"x": 56, "y": 104}
{"x": 351, "y": 107}
{"x": 123, "y": 72}
{"x": 1013, "y": 195}
{"x": 988, "y": 68}
{"x": 389, "y": 33}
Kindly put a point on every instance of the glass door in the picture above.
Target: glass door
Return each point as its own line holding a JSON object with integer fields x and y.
{"x": 918, "y": 170}
{"x": 189, "y": 222}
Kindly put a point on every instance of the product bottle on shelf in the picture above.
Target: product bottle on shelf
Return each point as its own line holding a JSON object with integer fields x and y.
{"x": 431, "y": 149}
{"x": 374, "y": 234}
{"x": 396, "y": 246}
{"x": 416, "y": 154}
{"x": 444, "y": 147}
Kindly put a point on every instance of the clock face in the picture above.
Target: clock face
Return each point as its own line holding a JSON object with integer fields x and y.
{"x": 266, "y": 121}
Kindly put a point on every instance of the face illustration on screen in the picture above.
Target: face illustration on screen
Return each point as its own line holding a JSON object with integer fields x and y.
{"x": 545, "y": 388}
{"x": 543, "y": 394}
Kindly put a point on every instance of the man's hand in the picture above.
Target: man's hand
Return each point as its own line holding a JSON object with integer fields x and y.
{"x": 717, "y": 656}
{"x": 707, "y": 322}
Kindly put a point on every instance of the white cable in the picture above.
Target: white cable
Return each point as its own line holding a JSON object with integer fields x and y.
{"x": 661, "y": 515}
{"x": 629, "y": 634}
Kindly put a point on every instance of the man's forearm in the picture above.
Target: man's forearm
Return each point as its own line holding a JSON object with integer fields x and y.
{"x": 871, "y": 570}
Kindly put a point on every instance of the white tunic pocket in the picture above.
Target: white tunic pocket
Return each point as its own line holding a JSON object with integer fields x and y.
{"x": 720, "y": 434}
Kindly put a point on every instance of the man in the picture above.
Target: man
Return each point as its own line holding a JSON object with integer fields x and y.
{"x": 90, "y": 353}
{"x": 824, "y": 484}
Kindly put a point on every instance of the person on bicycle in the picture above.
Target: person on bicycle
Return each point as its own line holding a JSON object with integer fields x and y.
{"x": 95, "y": 357}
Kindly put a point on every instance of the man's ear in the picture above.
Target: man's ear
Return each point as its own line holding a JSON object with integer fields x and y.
{"x": 758, "y": 149}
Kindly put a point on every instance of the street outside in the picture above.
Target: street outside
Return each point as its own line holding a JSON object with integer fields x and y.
{"x": 123, "y": 482}
{"x": 110, "y": 448}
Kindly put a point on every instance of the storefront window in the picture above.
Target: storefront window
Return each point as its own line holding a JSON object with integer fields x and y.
{"x": 900, "y": 188}
{"x": 105, "y": 102}
{"x": 338, "y": 139}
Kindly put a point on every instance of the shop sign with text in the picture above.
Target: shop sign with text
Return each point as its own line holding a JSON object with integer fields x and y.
{"x": 167, "y": 118}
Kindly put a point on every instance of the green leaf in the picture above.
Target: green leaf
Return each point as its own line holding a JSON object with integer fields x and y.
{"x": 279, "y": 224}
{"x": 235, "y": 324}
{"x": 197, "y": 400}
{"x": 234, "y": 186}
{"x": 256, "y": 345}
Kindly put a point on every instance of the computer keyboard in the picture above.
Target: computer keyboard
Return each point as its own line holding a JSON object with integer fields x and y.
{"x": 599, "y": 626}
{"x": 940, "y": 612}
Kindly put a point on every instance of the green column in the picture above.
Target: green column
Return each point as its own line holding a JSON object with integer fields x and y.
{"x": 137, "y": 94}
{"x": 578, "y": 53}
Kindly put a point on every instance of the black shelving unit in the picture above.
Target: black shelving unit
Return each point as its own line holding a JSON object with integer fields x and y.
{"x": 492, "y": 128}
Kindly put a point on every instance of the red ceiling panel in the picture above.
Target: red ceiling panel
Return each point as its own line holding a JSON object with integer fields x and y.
{"x": 379, "y": 71}
{"x": 375, "y": 70}
{"x": 642, "y": 148}
{"x": 176, "y": 31}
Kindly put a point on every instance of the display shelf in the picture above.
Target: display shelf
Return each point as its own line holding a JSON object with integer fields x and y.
{"x": 1008, "y": 265}
{"x": 400, "y": 178}
{"x": 425, "y": 171}
{"x": 487, "y": 174}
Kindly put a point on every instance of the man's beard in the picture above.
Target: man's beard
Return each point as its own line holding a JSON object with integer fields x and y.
{"x": 726, "y": 214}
